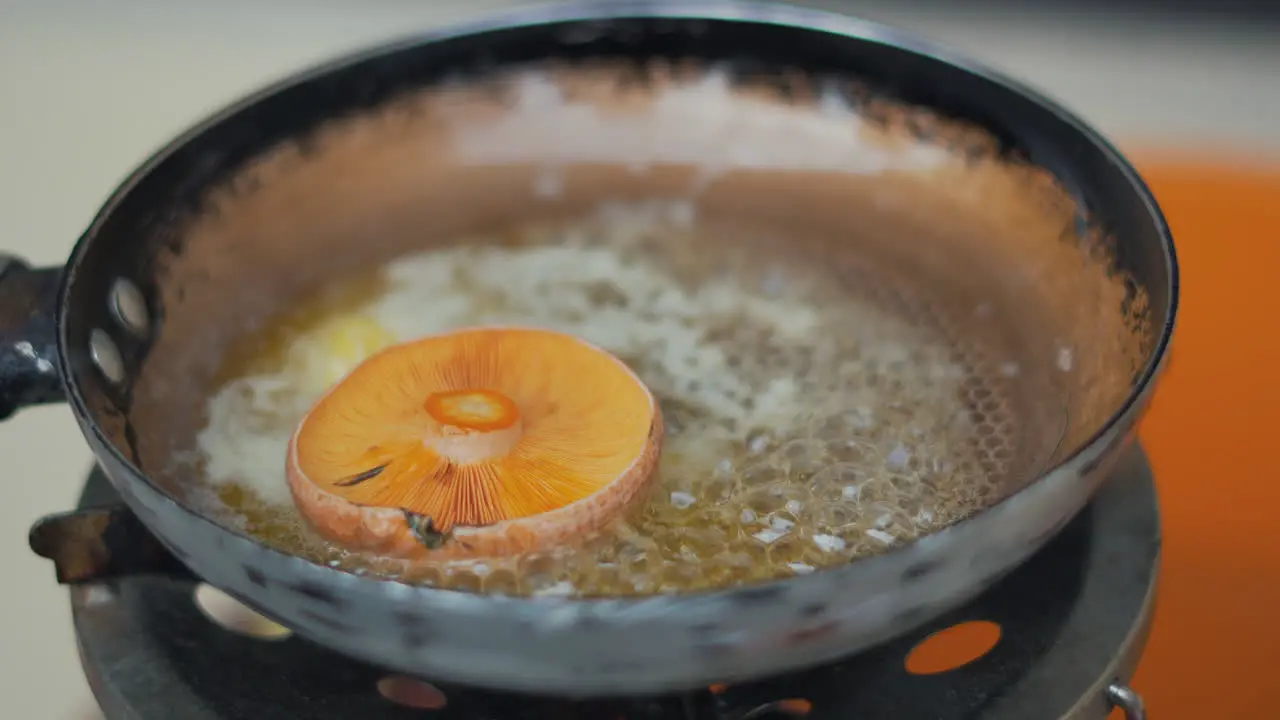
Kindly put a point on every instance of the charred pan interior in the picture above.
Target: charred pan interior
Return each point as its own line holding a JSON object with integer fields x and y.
{"x": 852, "y": 179}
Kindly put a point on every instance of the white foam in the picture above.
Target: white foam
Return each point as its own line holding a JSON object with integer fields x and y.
{"x": 705, "y": 123}
{"x": 881, "y": 536}
{"x": 829, "y": 543}
{"x": 1065, "y": 359}
{"x": 682, "y": 500}
{"x": 551, "y": 286}
{"x": 768, "y": 536}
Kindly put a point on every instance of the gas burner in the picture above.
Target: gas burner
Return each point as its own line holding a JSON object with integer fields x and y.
{"x": 1073, "y": 622}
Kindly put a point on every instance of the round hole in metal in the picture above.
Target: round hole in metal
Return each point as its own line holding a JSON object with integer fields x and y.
{"x": 231, "y": 614}
{"x": 780, "y": 710}
{"x": 106, "y": 356}
{"x": 129, "y": 307}
{"x": 953, "y": 647}
{"x": 411, "y": 692}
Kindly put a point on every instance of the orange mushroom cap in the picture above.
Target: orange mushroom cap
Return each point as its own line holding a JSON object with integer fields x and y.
{"x": 475, "y": 443}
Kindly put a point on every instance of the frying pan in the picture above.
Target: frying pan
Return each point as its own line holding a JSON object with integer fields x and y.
{"x": 129, "y": 331}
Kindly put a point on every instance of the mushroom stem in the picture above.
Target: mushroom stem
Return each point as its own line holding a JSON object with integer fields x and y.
{"x": 473, "y": 426}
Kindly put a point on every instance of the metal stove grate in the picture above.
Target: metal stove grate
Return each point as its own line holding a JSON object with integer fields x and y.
{"x": 1073, "y": 623}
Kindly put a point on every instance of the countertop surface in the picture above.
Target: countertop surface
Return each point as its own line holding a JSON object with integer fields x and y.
{"x": 88, "y": 90}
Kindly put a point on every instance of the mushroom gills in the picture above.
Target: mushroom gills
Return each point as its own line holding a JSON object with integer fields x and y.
{"x": 514, "y": 439}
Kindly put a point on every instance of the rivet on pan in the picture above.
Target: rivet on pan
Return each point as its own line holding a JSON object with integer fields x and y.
{"x": 129, "y": 307}
{"x": 105, "y": 355}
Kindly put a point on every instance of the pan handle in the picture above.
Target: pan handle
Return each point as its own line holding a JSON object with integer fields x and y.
{"x": 103, "y": 543}
{"x": 28, "y": 336}
{"x": 1123, "y": 698}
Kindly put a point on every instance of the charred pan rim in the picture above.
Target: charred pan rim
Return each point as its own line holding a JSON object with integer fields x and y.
{"x": 759, "y": 13}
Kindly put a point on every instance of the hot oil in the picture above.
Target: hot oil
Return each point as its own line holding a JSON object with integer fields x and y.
{"x": 903, "y": 326}
{"x": 808, "y": 424}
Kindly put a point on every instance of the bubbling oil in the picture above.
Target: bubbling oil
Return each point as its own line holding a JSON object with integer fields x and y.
{"x": 808, "y": 424}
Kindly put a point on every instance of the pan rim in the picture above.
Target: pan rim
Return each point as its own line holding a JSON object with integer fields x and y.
{"x": 747, "y": 11}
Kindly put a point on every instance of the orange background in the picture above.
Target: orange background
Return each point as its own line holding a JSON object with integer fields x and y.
{"x": 1213, "y": 433}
